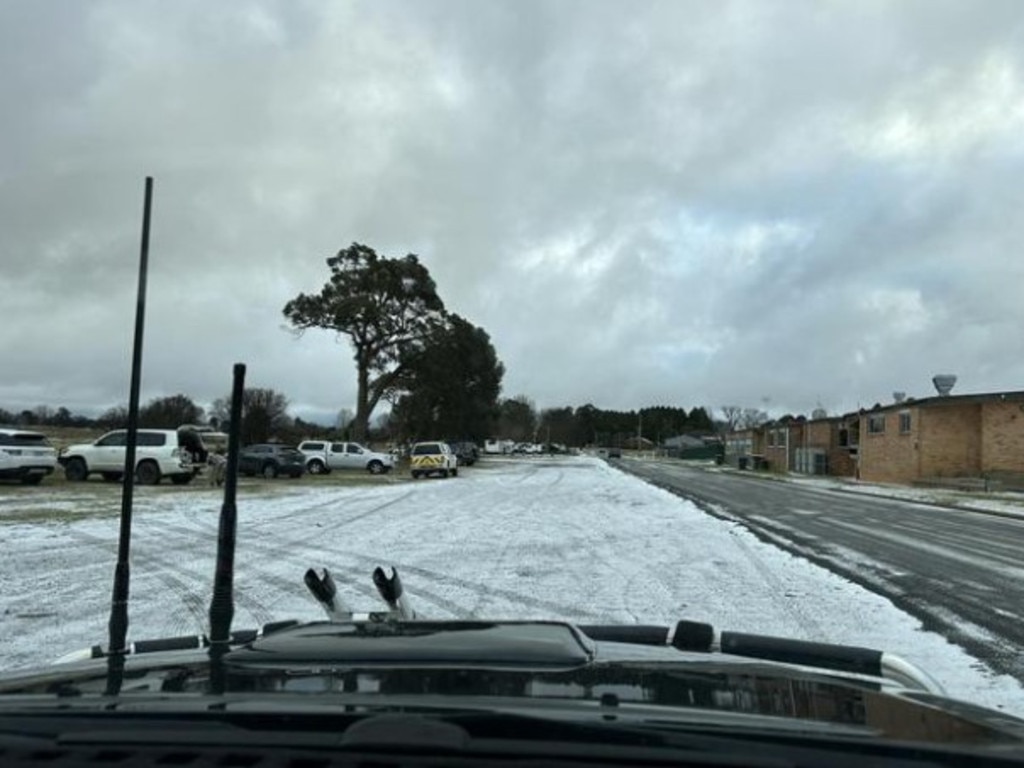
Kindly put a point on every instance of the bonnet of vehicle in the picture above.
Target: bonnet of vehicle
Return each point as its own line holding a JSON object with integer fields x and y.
{"x": 471, "y": 688}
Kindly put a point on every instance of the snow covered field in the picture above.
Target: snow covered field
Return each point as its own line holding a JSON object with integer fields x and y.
{"x": 536, "y": 538}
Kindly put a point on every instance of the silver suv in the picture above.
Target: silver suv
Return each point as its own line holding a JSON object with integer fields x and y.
{"x": 175, "y": 453}
{"x": 25, "y": 456}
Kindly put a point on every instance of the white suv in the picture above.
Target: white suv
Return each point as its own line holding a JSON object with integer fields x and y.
{"x": 26, "y": 456}
{"x": 175, "y": 453}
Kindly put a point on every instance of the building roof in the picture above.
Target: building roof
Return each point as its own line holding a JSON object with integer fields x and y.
{"x": 1015, "y": 396}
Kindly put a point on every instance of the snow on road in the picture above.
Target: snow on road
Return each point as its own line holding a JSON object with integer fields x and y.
{"x": 569, "y": 538}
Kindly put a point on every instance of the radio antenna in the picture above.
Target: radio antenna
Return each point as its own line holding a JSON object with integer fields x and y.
{"x": 119, "y": 598}
{"x": 222, "y": 606}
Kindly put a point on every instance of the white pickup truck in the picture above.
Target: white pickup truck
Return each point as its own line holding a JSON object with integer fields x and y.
{"x": 323, "y": 456}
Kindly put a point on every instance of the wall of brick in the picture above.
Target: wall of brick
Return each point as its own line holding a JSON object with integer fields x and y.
{"x": 781, "y": 455}
{"x": 739, "y": 445}
{"x": 823, "y": 434}
{"x": 950, "y": 439}
{"x": 891, "y": 456}
{"x": 820, "y": 434}
{"x": 1002, "y": 437}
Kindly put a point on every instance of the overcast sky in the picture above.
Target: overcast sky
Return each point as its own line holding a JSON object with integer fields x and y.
{"x": 773, "y": 204}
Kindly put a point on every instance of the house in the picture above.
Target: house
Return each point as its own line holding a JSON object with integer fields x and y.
{"x": 820, "y": 445}
{"x": 744, "y": 448}
{"x": 945, "y": 436}
{"x": 828, "y": 446}
{"x": 782, "y": 438}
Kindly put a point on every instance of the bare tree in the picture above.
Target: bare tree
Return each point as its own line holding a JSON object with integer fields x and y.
{"x": 731, "y": 417}
{"x": 736, "y": 417}
{"x": 752, "y": 418}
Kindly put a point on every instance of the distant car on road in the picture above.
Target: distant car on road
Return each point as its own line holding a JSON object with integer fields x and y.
{"x": 25, "y": 456}
{"x": 431, "y": 458}
{"x": 271, "y": 460}
{"x": 614, "y": 453}
{"x": 322, "y": 456}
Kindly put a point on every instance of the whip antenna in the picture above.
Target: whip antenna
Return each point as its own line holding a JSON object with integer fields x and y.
{"x": 119, "y": 597}
{"x": 222, "y": 606}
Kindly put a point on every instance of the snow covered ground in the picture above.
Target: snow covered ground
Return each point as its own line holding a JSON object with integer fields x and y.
{"x": 536, "y": 538}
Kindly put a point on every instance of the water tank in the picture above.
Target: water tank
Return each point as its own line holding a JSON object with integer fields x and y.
{"x": 944, "y": 383}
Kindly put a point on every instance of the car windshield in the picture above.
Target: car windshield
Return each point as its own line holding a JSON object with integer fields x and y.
{"x": 586, "y": 311}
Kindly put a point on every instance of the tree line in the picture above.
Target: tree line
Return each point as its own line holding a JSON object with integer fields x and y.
{"x": 265, "y": 417}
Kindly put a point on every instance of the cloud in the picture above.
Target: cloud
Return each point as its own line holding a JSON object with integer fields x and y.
{"x": 656, "y": 203}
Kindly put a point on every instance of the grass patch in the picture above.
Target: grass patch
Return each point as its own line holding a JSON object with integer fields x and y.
{"x": 57, "y": 500}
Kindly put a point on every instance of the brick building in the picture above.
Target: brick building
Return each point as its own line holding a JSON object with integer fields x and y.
{"x": 795, "y": 444}
{"x": 951, "y": 436}
{"x": 829, "y": 447}
{"x": 742, "y": 446}
{"x": 782, "y": 438}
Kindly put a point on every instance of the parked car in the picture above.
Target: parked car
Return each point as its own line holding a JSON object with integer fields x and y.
{"x": 434, "y": 457}
{"x": 614, "y": 453}
{"x": 178, "y": 454}
{"x": 498, "y": 446}
{"x": 528, "y": 448}
{"x": 25, "y": 456}
{"x": 466, "y": 452}
{"x": 271, "y": 460}
{"x": 322, "y": 456}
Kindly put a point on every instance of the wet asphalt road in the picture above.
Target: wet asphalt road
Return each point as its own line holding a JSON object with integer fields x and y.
{"x": 961, "y": 573}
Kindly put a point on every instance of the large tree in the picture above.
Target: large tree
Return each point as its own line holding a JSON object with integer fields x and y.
{"x": 451, "y": 385}
{"x": 387, "y": 308}
{"x": 170, "y": 412}
{"x": 115, "y": 417}
{"x": 264, "y": 415}
{"x": 557, "y": 425}
{"x": 517, "y": 418}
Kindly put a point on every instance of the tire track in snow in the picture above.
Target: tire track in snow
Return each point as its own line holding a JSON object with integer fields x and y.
{"x": 189, "y": 598}
{"x": 280, "y": 549}
{"x": 166, "y": 570}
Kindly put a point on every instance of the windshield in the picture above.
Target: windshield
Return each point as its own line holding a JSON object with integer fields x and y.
{"x": 591, "y": 312}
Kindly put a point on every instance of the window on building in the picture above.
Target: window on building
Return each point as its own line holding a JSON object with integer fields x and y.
{"x": 876, "y": 424}
{"x": 771, "y": 438}
{"x": 844, "y": 437}
{"x": 905, "y": 423}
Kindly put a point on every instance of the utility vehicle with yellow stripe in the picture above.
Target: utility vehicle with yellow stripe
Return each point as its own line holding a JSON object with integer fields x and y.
{"x": 433, "y": 458}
